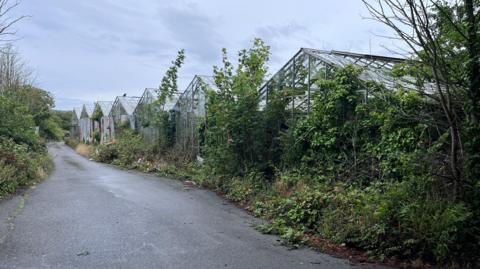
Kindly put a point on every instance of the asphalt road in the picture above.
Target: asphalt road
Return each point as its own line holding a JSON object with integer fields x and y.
{"x": 91, "y": 215}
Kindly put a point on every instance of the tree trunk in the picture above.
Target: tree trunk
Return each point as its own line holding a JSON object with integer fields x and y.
{"x": 474, "y": 61}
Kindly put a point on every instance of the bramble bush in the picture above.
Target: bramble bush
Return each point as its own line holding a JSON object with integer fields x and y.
{"x": 20, "y": 165}
{"x": 23, "y": 157}
{"x": 72, "y": 142}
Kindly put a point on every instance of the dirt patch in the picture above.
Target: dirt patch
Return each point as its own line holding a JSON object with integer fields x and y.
{"x": 83, "y": 150}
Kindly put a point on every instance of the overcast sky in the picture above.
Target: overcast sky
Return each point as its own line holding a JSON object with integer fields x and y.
{"x": 89, "y": 50}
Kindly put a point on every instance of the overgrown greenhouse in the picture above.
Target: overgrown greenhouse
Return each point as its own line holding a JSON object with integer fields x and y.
{"x": 190, "y": 114}
{"x": 299, "y": 76}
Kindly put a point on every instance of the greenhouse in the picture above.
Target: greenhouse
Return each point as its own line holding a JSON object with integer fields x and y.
{"x": 75, "y": 124}
{"x": 105, "y": 122}
{"x": 86, "y": 123}
{"x": 122, "y": 112}
{"x": 145, "y": 114}
{"x": 300, "y": 74}
{"x": 190, "y": 113}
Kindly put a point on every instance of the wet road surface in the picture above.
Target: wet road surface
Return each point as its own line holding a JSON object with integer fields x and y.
{"x": 91, "y": 215}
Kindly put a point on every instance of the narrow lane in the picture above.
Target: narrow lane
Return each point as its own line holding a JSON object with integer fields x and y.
{"x": 91, "y": 215}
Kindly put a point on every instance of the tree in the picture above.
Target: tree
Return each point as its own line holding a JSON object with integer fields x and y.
{"x": 64, "y": 118}
{"x": 168, "y": 87}
{"x": 16, "y": 123}
{"x": 13, "y": 71}
{"x": 441, "y": 36}
{"x": 472, "y": 38}
{"x": 156, "y": 113}
{"x": 235, "y": 133}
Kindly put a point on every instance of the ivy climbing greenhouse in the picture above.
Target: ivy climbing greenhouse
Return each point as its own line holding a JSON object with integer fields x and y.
{"x": 300, "y": 74}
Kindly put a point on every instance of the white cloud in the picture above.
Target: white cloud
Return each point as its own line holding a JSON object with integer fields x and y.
{"x": 91, "y": 49}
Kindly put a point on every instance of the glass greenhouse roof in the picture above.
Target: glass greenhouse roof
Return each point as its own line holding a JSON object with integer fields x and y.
{"x": 129, "y": 103}
{"x": 78, "y": 112}
{"x": 105, "y": 106}
{"x": 89, "y": 109}
{"x": 375, "y": 68}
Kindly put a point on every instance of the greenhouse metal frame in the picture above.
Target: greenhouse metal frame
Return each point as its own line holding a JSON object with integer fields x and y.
{"x": 190, "y": 112}
{"x": 308, "y": 66}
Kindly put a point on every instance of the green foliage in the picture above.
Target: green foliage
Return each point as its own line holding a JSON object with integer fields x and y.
{"x": 155, "y": 115}
{"x": 16, "y": 122}
{"x": 128, "y": 150}
{"x": 8, "y": 181}
{"x": 345, "y": 138}
{"x": 72, "y": 142}
{"x": 385, "y": 219}
{"x": 23, "y": 108}
{"x": 97, "y": 114}
{"x": 96, "y": 136}
{"x": 234, "y": 137}
{"x": 37, "y": 101}
{"x": 168, "y": 88}
{"x": 51, "y": 129}
{"x": 243, "y": 189}
{"x": 396, "y": 220}
{"x": 19, "y": 165}
{"x": 357, "y": 170}
{"x": 105, "y": 153}
{"x": 24, "y": 104}
{"x": 64, "y": 119}
{"x": 166, "y": 124}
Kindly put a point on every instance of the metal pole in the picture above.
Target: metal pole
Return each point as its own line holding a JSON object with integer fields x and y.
{"x": 309, "y": 85}
{"x": 267, "y": 86}
{"x": 293, "y": 85}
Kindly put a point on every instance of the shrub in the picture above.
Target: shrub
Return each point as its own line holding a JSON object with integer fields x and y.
{"x": 16, "y": 123}
{"x": 244, "y": 189}
{"x": 19, "y": 165}
{"x": 129, "y": 151}
{"x": 72, "y": 142}
{"x": 130, "y": 148}
{"x": 96, "y": 136}
{"x": 393, "y": 219}
{"x": 105, "y": 153}
{"x": 234, "y": 139}
{"x": 50, "y": 128}
{"x": 8, "y": 182}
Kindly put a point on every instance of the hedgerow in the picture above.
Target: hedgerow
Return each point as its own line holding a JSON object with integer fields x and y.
{"x": 23, "y": 158}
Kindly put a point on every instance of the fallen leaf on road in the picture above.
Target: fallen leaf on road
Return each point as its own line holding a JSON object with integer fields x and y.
{"x": 83, "y": 253}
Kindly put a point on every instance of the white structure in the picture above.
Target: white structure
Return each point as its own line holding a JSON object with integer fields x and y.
{"x": 122, "y": 112}
{"x": 190, "y": 112}
{"x": 75, "y": 123}
{"x": 105, "y": 121}
{"x": 145, "y": 114}
{"x": 86, "y": 123}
